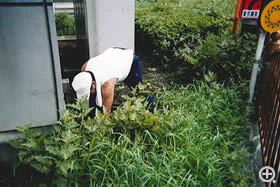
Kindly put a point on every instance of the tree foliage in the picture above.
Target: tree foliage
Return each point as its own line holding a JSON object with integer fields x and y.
{"x": 65, "y": 25}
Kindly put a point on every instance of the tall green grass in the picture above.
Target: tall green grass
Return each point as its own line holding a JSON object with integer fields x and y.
{"x": 194, "y": 137}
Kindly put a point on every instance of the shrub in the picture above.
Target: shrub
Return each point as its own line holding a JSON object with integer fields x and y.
{"x": 172, "y": 33}
{"x": 65, "y": 25}
{"x": 229, "y": 56}
{"x": 194, "y": 138}
{"x": 189, "y": 36}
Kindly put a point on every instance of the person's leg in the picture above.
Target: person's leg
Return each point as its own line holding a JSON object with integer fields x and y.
{"x": 135, "y": 77}
{"x": 135, "y": 74}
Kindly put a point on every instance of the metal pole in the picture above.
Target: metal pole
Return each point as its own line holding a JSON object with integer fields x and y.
{"x": 236, "y": 15}
{"x": 256, "y": 64}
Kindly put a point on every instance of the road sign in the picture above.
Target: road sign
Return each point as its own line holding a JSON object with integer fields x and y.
{"x": 270, "y": 17}
{"x": 250, "y": 9}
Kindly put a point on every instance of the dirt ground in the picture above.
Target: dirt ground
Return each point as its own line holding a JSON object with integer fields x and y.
{"x": 154, "y": 78}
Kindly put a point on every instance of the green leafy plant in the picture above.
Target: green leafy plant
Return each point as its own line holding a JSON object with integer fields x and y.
{"x": 65, "y": 25}
{"x": 229, "y": 56}
{"x": 192, "y": 37}
{"x": 194, "y": 137}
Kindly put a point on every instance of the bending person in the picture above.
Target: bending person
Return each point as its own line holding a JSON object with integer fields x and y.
{"x": 100, "y": 74}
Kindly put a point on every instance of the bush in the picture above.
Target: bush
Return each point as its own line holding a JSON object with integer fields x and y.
{"x": 65, "y": 25}
{"x": 172, "y": 33}
{"x": 194, "y": 139}
{"x": 229, "y": 56}
{"x": 189, "y": 36}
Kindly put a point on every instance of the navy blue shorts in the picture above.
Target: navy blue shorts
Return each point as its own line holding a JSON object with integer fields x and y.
{"x": 135, "y": 74}
{"x": 135, "y": 77}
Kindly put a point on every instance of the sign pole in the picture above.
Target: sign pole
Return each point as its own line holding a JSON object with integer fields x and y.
{"x": 256, "y": 64}
{"x": 270, "y": 22}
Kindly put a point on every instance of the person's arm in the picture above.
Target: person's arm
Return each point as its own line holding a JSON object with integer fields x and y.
{"x": 84, "y": 67}
{"x": 107, "y": 90}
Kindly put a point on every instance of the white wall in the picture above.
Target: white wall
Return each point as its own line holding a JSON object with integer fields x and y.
{"x": 110, "y": 23}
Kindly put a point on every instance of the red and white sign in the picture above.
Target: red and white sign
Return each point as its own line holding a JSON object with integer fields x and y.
{"x": 250, "y": 9}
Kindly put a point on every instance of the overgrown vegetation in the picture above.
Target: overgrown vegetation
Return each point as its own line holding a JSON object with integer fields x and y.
{"x": 194, "y": 138}
{"x": 65, "y": 25}
{"x": 191, "y": 37}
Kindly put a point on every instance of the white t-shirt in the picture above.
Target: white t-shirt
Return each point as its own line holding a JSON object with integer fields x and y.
{"x": 112, "y": 63}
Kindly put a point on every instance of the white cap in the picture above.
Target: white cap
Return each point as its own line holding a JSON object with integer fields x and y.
{"x": 81, "y": 84}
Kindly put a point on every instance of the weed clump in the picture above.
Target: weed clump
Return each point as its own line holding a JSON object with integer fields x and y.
{"x": 193, "y": 138}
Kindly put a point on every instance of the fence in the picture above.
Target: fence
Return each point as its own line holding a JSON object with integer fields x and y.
{"x": 269, "y": 115}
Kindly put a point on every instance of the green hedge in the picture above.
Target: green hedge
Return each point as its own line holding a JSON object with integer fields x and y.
{"x": 229, "y": 56}
{"x": 190, "y": 37}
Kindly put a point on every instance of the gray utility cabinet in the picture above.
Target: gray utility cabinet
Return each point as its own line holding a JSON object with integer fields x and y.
{"x": 30, "y": 76}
